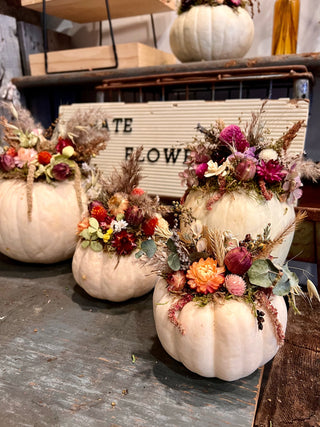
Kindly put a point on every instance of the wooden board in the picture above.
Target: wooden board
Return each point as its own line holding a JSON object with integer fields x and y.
{"x": 95, "y": 10}
{"x": 66, "y": 360}
{"x": 291, "y": 396}
{"x": 164, "y": 128}
{"x": 129, "y": 55}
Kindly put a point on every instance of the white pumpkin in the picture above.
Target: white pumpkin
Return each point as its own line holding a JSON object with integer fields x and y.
{"x": 107, "y": 276}
{"x": 219, "y": 340}
{"x": 50, "y": 236}
{"x": 244, "y": 214}
{"x": 211, "y": 32}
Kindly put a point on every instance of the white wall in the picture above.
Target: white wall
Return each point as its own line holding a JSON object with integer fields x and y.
{"x": 139, "y": 29}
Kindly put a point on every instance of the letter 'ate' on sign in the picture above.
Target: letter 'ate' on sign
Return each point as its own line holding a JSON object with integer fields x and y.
{"x": 119, "y": 124}
{"x": 171, "y": 155}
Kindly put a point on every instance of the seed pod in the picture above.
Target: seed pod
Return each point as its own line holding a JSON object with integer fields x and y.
{"x": 245, "y": 170}
{"x": 238, "y": 260}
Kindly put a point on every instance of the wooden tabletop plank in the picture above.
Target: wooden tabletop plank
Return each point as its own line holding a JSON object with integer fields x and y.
{"x": 95, "y": 10}
{"x": 291, "y": 396}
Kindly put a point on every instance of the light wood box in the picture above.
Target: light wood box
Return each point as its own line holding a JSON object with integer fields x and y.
{"x": 130, "y": 55}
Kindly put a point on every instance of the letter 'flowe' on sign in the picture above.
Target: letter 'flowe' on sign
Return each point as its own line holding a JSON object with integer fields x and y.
{"x": 169, "y": 155}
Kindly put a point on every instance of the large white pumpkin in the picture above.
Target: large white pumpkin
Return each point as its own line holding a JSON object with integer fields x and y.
{"x": 211, "y": 32}
{"x": 50, "y": 236}
{"x": 244, "y": 214}
{"x": 107, "y": 276}
{"x": 220, "y": 340}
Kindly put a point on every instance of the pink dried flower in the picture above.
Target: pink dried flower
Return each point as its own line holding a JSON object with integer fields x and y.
{"x": 232, "y": 135}
{"x": 235, "y": 285}
{"x": 201, "y": 169}
{"x": 178, "y": 306}
{"x": 272, "y": 171}
{"x": 176, "y": 281}
{"x": 238, "y": 260}
{"x": 266, "y": 194}
{"x": 235, "y": 2}
{"x": 7, "y": 162}
{"x": 25, "y": 155}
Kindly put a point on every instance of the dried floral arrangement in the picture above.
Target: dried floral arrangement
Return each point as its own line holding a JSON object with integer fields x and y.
{"x": 209, "y": 266}
{"x": 185, "y": 5}
{"x": 228, "y": 158}
{"x": 122, "y": 218}
{"x": 60, "y": 153}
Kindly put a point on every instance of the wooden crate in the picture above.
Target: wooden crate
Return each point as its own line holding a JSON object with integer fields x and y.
{"x": 130, "y": 55}
{"x": 95, "y": 10}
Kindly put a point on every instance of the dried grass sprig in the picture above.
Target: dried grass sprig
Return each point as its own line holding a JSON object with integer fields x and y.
{"x": 254, "y": 130}
{"x": 215, "y": 241}
{"x": 286, "y": 139}
{"x": 30, "y": 180}
{"x": 308, "y": 169}
{"x": 293, "y": 225}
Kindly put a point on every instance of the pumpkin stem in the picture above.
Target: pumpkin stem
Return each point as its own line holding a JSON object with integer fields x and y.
{"x": 30, "y": 180}
{"x": 77, "y": 185}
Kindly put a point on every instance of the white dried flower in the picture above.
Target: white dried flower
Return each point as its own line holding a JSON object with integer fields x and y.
{"x": 268, "y": 154}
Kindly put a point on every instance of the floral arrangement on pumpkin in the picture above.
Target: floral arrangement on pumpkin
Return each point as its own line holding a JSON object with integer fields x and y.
{"x": 122, "y": 218}
{"x": 59, "y": 153}
{"x": 228, "y": 158}
{"x": 210, "y": 266}
{"x": 186, "y": 5}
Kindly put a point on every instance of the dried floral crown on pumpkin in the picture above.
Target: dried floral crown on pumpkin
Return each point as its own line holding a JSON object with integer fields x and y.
{"x": 228, "y": 159}
{"x": 204, "y": 266}
{"x": 53, "y": 155}
{"x": 122, "y": 218}
{"x": 186, "y": 5}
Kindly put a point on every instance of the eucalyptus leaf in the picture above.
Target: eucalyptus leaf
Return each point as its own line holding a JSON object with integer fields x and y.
{"x": 139, "y": 254}
{"x": 92, "y": 230}
{"x": 293, "y": 278}
{"x": 94, "y": 223}
{"x": 149, "y": 247}
{"x": 85, "y": 234}
{"x": 283, "y": 286}
{"x": 96, "y": 246}
{"x": 171, "y": 245}
{"x": 174, "y": 261}
{"x": 94, "y": 236}
{"x": 85, "y": 244}
{"x": 258, "y": 273}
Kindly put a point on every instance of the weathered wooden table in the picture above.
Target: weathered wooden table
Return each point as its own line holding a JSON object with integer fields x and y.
{"x": 67, "y": 359}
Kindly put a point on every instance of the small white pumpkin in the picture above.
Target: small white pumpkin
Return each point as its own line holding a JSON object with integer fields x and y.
{"x": 242, "y": 214}
{"x": 211, "y": 32}
{"x": 219, "y": 340}
{"x": 107, "y": 276}
{"x": 50, "y": 236}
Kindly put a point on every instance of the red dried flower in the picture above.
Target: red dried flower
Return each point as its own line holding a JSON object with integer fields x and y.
{"x": 133, "y": 215}
{"x": 149, "y": 226}
{"x": 99, "y": 213}
{"x": 64, "y": 143}
{"x": 124, "y": 242}
{"x": 11, "y": 152}
{"x": 44, "y": 157}
{"x": 137, "y": 192}
{"x": 271, "y": 171}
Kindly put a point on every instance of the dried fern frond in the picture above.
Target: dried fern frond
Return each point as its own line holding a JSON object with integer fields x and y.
{"x": 293, "y": 225}
{"x": 215, "y": 241}
{"x": 127, "y": 178}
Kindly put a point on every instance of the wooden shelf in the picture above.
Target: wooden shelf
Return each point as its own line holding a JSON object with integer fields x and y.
{"x": 95, "y": 10}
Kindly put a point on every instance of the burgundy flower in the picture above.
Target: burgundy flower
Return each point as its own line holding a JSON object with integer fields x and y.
{"x": 7, "y": 162}
{"x": 124, "y": 242}
{"x": 271, "y": 171}
{"x": 238, "y": 260}
{"x": 201, "y": 169}
{"x": 64, "y": 143}
{"x": 149, "y": 226}
{"x": 232, "y": 135}
{"x": 133, "y": 215}
{"x": 61, "y": 171}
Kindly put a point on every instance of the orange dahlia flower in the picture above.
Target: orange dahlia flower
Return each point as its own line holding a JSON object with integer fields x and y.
{"x": 205, "y": 276}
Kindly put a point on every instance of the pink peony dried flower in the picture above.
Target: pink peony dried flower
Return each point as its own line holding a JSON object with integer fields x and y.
{"x": 235, "y": 285}
{"x": 176, "y": 281}
{"x": 25, "y": 155}
{"x": 232, "y": 135}
{"x": 272, "y": 171}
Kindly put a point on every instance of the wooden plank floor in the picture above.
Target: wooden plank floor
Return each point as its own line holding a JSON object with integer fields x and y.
{"x": 66, "y": 359}
{"x": 291, "y": 393}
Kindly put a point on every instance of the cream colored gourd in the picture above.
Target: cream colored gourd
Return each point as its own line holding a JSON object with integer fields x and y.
{"x": 243, "y": 214}
{"x": 211, "y": 32}
{"x": 220, "y": 340}
{"x": 106, "y": 276}
{"x": 50, "y": 236}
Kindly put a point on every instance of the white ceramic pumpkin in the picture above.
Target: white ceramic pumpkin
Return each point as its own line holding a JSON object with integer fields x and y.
{"x": 50, "y": 236}
{"x": 106, "y": 276}
{"x": 244, "y": 214}
{"x": 220, "y": 340}
{"x": 211, "y": 32}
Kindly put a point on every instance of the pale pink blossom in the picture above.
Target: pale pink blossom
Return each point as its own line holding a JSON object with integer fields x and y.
{"x": 235, "y": 285}
{"x": 25, "y": 156}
